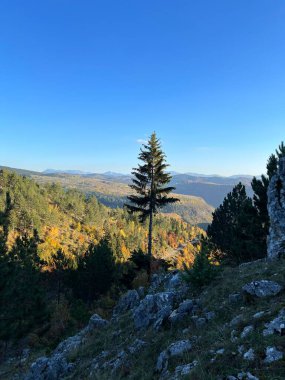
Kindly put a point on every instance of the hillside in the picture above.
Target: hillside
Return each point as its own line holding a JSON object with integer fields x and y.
{"x": 225, "y": 331}
{"x": 212, "y": 188}
{"x": 113, "y": 193}
{"x": 71, "y": 220}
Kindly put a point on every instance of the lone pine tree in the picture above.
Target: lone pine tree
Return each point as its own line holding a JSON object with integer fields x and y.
{"x": 150, "y": 184}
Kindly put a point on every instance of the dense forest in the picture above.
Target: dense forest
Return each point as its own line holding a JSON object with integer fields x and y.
{"x": 64, "y": 254}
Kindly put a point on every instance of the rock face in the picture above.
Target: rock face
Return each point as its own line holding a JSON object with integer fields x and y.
{"x": 175, "y": 349}
{"x": 277, "y": 325}
{"x": 153, "y": 310}
{"x": 262, "y": 288}
{"x": 57, "y": 366}
{"x": 127, "y": 302}
{"x": 276, "y": 211}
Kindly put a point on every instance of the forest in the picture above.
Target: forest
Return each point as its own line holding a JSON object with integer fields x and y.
{"x": 64, "y": 255}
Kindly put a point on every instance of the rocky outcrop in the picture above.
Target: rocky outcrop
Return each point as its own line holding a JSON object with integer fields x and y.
{"x": 175, "y": 349}
{"x": 153, "y": 310}
{"x": 276, "y": 211}
{"x": 262, "y": 288}
{"x": 127, "y": 302}
{"x": 57, "y": 365}
{"x": 277, "y": 325}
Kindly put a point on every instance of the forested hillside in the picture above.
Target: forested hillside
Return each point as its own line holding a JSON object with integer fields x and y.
{"x": 62, "y": 250}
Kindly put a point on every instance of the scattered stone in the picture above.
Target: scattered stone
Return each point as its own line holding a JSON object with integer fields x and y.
{"x": 259, "y": 314}
{"x": 262, "y": 288}
{"x": 246, "y": 331}
{"x": 200, "y": 322}
{"x": 272, "y": 355}
{"x": 249, "y": 355}
{"x": 277, "y": 325}
{"x": 175, "y": 349}
{"x": 243, "y": 376}
{"x": 236, "y": 320}
{"x": 184, "y": 370}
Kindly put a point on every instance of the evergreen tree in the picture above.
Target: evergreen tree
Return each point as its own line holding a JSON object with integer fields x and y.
{"x": 96, "y": 271}
{"x": 149, "y": 183}
{"x": 235, "y": 228}
{"x": 23, "y": 302}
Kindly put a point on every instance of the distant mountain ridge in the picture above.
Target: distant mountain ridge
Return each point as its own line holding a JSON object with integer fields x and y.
{"x": 211, "y": 188}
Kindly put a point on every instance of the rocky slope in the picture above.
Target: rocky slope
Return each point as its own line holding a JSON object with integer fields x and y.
{"x": 232, "y": 329}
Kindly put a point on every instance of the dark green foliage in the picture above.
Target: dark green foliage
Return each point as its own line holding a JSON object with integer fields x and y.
{"x": 236, "y": 228}
{"x": 202, "y": 272}
{"x": 22, "y": 302}
{"x": 96, "y": 271}
{"x": 149, "y": 183}
{"x": 140, "y": 259}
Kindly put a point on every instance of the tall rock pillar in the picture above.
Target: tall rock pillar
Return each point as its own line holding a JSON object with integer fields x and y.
{"x": 276, "y": 211}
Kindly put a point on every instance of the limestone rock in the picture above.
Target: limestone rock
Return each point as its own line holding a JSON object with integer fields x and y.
{"x": 184, "y": 370}
{"x": 96, "y": 322}
{"x": 175, "y": 349}
{"x": 57, "y": 366}
{"x": 276, "y": 325}
{"x": 153, "y": 309}
{"x": 127, "y": 302}
{"x": 276, "y": 211}
{"x": 246, "y": 331}
{"x": 262, "y": 288}
{"x": 272, "y": 355}
{"x": 184, "y": 309}
{"x": 249, "y": 355}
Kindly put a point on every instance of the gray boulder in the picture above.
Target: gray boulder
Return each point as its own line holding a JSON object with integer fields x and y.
{"x": 277, "y": 325}
{"x": 127, "y": 302}
{"x": 184, "y": 309}
{"x": 175, "y": 349}
{"x": 154, "y": 309}
{"x": 249, "y": 355}
{"x": 262, "y": 288}
{"x": 272, "y": 355}
{"x": 96, "y": 322}
{"x": 184, "y": 370}
{"x": 246, "y": 331}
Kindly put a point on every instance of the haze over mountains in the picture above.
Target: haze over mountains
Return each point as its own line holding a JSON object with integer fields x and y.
{"x": 212, "y": 188}
{"x": 199, "y": 193}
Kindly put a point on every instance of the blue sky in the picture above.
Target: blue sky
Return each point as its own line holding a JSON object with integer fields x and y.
{"x": 82, "y": 82}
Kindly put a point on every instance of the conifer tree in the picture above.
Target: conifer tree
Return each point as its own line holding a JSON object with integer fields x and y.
{"x": 235, "y": 228}
{"x": 150, "y": 184}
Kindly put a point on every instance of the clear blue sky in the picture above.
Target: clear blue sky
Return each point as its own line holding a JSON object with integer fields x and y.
{"x": 81, "y": 82}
